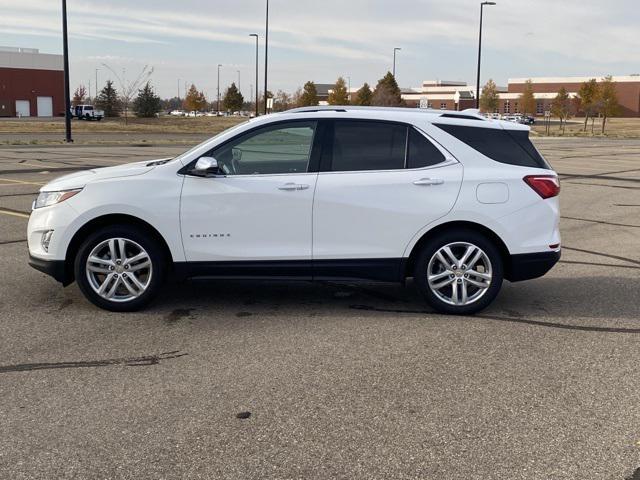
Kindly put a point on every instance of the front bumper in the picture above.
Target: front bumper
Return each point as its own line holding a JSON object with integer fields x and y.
{"x": 54, "y": 268}
{"x": 530, "y": 265}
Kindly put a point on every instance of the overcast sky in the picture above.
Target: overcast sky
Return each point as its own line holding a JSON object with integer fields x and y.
{"x": 322, "y": 39}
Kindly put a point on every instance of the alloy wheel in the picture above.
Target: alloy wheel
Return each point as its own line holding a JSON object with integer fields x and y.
{"x": 459, "y": 273}
{"x": 119, "y": 269}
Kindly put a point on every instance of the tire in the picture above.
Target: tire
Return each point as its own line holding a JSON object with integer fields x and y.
{"x": 131, "y": 281}
{"x": 481, "y": 280}
{"x": 87, "y": 117}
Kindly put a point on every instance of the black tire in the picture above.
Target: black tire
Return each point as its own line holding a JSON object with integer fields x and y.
{"x": 131, "y": 233}
{"x": 449, "y": 237}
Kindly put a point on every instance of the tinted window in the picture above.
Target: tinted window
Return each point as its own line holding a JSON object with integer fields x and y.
{"x": 361, "y": 145}
{"x": 422, "y": 153}
{"x": 283, "y": 148}
{"x": 504, "y": 146}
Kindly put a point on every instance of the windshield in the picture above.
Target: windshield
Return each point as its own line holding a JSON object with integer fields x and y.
{"x": 224, "y": 132}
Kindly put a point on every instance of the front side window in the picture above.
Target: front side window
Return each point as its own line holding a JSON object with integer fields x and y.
{"x": 362, "y": 145}
{"x": 276, "y": 149}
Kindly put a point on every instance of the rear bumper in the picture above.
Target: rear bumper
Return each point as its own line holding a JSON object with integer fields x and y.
{"x": 53, "y": 268}
{"x": 530, "y": 265}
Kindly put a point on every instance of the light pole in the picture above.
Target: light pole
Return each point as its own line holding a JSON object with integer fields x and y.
{"x": 67, "y": 93}
{"x": 349, "y": 89}
{"x": 256, "y": 35}
{"x": 266, "y": 57}
{"x": 480, "y": 53}
{"x": 97, "y": 81}
{"x": 239, "y": 89}
{"x": 218, "y": 103}
{"x": 394, "y": 60}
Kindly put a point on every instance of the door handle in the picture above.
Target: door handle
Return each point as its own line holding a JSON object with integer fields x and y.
{"x": 293, "y": 186}
{"x": 429, "y": 181}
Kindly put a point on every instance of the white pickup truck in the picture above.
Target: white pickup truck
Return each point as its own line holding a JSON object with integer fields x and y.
{"x": 87, "y": 112}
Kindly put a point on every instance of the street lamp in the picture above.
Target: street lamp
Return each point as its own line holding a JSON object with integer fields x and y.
{"x": 218, "y": 103}
{"x": 266, "y": 57}
{"x": 394, "y": 60}
{"x": 349, "y": 88}
{"x": 480, "y": 53}
{"x": 256, "y": 35}
{"x": 97, "y": 81}
{"x": 239, "y": 89}
{"x": 67, "y": 93}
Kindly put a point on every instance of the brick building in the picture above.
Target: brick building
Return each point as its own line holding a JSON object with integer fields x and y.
{"x": 546, "y": 88}
{"x": 441, "y": 95}
{"x": 31, "y": 83}
{"x": 447, "y": 95}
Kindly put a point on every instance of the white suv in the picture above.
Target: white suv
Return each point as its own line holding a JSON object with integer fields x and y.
{"x": 456, "y": 201}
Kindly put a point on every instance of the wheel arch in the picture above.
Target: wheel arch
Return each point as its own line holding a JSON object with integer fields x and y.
{"x": 453, "y": 225}
{"x": 103, "y": 221}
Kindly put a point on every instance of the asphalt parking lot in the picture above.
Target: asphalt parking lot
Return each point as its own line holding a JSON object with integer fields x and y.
{"x": 341, "y": 381}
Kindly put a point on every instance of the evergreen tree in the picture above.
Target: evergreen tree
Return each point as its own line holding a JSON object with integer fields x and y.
{"x": 339, "y": 94}
{"x": 195, "y": 100}
{"x": 489, "y": 99}
{"x": 147, "y": 104}
{"x": 527, "y": 100}
{"x": 364, "y": 96}
{"x": 233, "y": 99}
{"x": 108, "y": 100}
{"x": 387, "y": 92}
{"x": 309, "y": 96}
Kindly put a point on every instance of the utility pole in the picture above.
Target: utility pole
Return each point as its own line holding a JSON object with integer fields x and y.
{"x": 67, "y": 93}
{"x": 266, "y": 58}
{"x": 394, "y": 60}
{"x": 219, "y": 65}
{"x": 239, "y": 89}
{"x": 97, "y": 82}
{"x": 480, "y": 53}
{"x": 256, "y": 98}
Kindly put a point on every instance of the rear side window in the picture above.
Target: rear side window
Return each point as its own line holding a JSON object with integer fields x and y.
{"x": 422, "y": 153}
{"x": 359, "y": 145}
{"x": 512, "y": 147}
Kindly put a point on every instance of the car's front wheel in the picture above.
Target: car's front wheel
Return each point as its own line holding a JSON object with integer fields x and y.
{"x": 119, "y": 268}
{"x": 459, "y": 272}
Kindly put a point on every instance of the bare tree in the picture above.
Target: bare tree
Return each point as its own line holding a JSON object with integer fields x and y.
{"x": 129, "y": 89}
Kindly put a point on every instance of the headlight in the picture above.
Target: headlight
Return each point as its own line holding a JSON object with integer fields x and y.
{"x": 46, "y": 199}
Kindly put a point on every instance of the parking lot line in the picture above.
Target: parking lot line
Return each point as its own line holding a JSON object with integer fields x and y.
{"x": 11, "y": 181}
{"x": 14, "y": 213}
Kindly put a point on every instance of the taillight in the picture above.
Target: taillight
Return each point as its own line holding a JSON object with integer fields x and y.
{"x": 546, "y": 186}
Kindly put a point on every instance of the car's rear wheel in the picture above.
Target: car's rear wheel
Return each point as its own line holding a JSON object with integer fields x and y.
{"x": 459, "y": 272}
{"x": 119, "y": 268}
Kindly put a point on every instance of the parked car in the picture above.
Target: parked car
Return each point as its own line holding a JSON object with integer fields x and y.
{"x": 457, "y": 202}
{"x": 87, "y": 112}
{"x": 177, "y": 113}
{"x": 527, "y": 120}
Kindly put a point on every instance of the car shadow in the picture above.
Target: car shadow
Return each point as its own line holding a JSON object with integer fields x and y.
{"x": 574, "y": 298}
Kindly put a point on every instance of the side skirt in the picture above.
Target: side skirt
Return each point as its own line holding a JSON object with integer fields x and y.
{"x": 377, "y": 269}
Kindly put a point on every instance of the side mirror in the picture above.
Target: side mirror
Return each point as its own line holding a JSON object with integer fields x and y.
{"x": 205, "y": 166}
